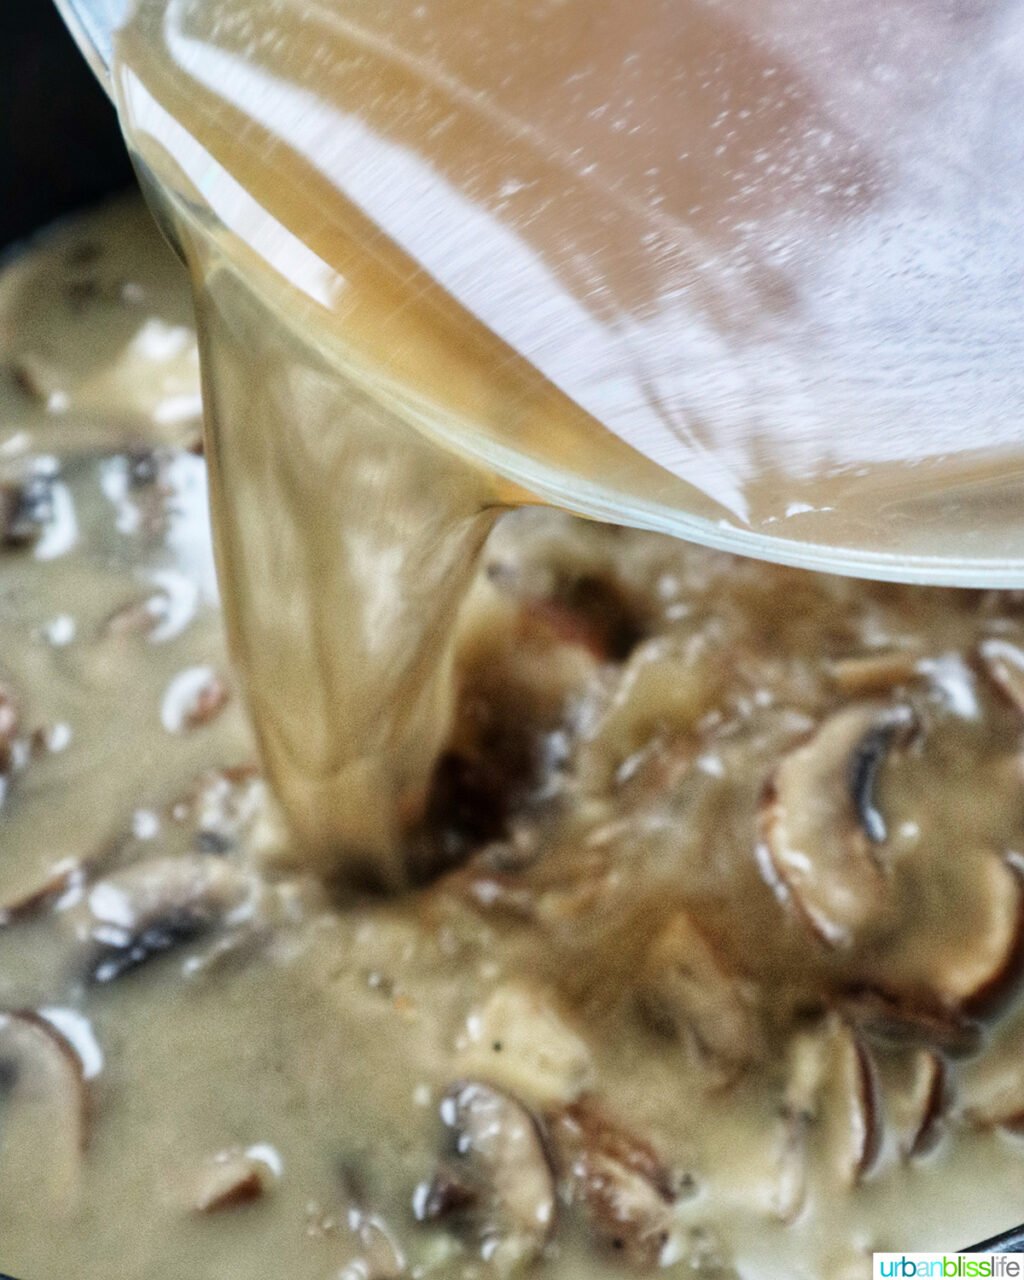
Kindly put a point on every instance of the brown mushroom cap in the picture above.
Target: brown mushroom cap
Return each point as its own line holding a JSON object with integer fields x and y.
{"x": 820, "y": 825}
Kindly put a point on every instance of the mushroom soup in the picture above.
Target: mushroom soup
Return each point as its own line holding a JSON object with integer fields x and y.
{"x": 711, "y": 957}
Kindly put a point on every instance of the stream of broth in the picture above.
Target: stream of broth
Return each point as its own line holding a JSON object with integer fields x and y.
{"x": 738, "y": 270}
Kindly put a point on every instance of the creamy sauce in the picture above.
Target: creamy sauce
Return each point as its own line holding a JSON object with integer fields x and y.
{"x": 211, "y": 1065}
{"x": 737, "y": 271}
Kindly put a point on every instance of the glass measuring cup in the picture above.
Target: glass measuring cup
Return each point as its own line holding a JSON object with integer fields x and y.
{"x": 821, "y": 368}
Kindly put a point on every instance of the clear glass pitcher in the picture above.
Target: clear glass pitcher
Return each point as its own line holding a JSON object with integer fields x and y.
{"x": 769, "y": 253}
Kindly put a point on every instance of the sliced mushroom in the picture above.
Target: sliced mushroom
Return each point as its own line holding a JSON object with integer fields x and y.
{"x": 854, "y": 1130}
{"x": 1003, "y": 663}
{"x": 26, "y": 901}
{"x": 976, "y": 975}
{"x": 194, "y": 698}
{"x": 687, "y": 989}
{"x": 832, "y": 1090}
{"x": 914, "y": 1086}
{"x": 626, "y": 1191}
{"x": 497, "y": 1161}
{"x": 820, "y": 825}
{"x": 208, "y": 703}
{"x": 139, "y": 617}
{"x": 665, "y": 688}
{"x": 943, "y": 979}
{"x": 59, "y": 885}
{"x": 139, "y": 913}
{"x": 45, "y": 1106}
{"x": 446, "y": 1195}
{"x": 519, "y": 1040}
{"x": 873, "y": 673}
{"x": 232, "y": 1178}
